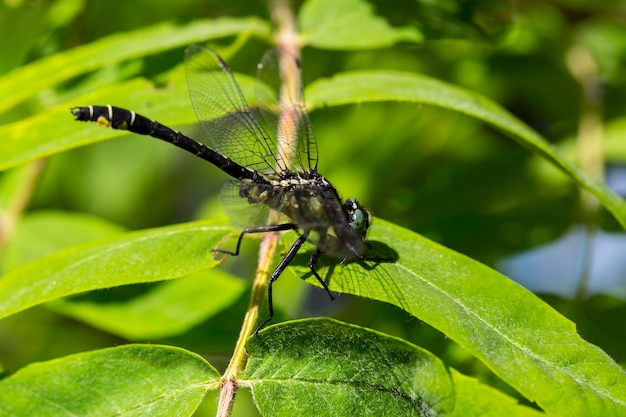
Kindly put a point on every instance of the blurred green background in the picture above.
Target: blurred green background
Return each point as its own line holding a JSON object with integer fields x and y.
{"x": 444, "y": 175}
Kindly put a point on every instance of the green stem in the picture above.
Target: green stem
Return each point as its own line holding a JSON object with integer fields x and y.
{"x": 590, "y": 151}
{"x": 21, "y": 183}
{"x": 286, "y": 38}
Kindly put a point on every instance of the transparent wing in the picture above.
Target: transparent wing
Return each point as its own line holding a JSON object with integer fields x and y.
{"x": 281, "y": 103}
{"x": 223, "y": 112}
{"x": 242, "y": 213}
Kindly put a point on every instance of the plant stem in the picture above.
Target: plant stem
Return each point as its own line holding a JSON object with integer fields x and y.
{"x": 238, "y": 360}
{"x": 590, "y": 150}
{"x": 286, "y": 38}
{"x": 21, "y": 183}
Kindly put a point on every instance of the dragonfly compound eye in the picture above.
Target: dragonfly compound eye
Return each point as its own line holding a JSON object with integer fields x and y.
{"x": 358, "y": 217}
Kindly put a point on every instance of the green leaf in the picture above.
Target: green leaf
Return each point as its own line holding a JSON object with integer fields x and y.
{"x": 476, "y": 399}
{"x": 133, "y": 380}
{"x": 54, "y": 130}
{"x": 145, "y": 256}
{"x": 42, "y": 233}
{"x": 369, "y": 86}
{"x": 169, "y": 309}
{"x": 322, "y": 367}
{"x": 614, "y": 145}
{"x": 348, "y": 24}
{"x": 477, "y": 21}
{"x": 166, "y": 310}
{"x": 520, "y": 337}
{"x": 46, "y": 73}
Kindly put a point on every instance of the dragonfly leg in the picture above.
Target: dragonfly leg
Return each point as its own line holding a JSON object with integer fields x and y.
{"x": 312, "y": 263}
{"x": 354, "y": 258}
{"x": 257, "y": 229}
{"x": 279, "y": 270}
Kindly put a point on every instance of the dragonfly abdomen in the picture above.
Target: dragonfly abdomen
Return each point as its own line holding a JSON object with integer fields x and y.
{"x": 122, "y": 119}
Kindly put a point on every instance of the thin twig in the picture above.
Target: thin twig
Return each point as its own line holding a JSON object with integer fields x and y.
{"x": 286, "y": 38}
{"x": 583, "y": 67}
{"x": 19, "y": 199}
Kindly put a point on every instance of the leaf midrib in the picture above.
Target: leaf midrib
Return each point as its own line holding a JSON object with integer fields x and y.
{"x": 530, "y": 353}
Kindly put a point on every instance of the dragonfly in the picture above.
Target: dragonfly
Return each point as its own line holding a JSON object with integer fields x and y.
{"x": 274, "y": 173}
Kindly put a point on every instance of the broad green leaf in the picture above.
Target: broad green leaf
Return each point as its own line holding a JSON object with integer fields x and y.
{"x": 477, "y": 21}
{"x": 169, "y": 309}
{"x": 144, "y": 256}
{"x": 520, "y": 337}
{"x": 476, "y": 399}
{"x": 55, "y": 130}
{"x": 132, "y": 380}
{"x": 348, "y": 24}
{"x": 166, "y": 310}
{"x": 42, "y": 233}
{"x": 322, "y": 367}
{"x": 369, "y": 86}
{"x": 29, "y": 80}
{"x": 614, "y": 144}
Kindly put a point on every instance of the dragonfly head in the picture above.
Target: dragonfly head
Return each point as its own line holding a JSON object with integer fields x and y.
{"x": 359, "y": 218}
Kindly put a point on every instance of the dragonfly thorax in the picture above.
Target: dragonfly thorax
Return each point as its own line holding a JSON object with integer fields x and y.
{"x": 309, "y": 201}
